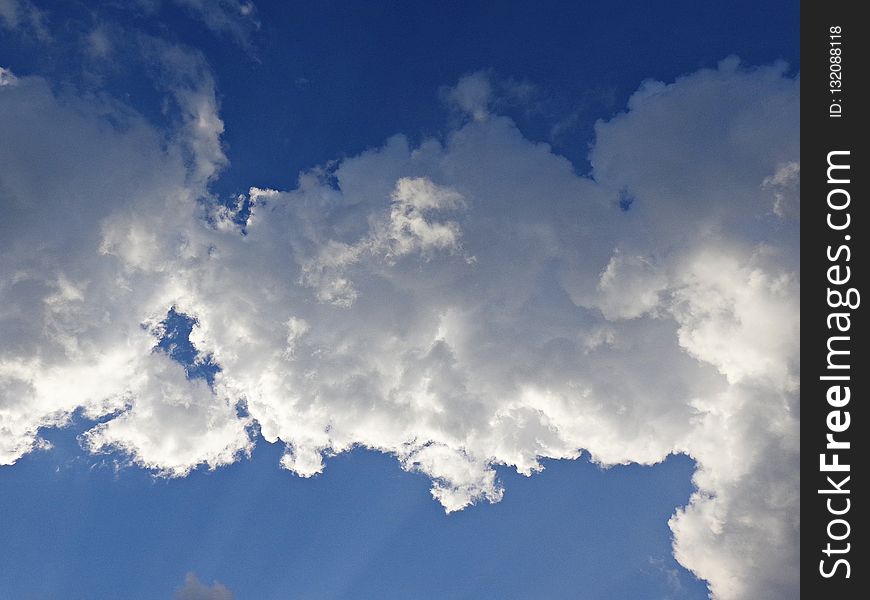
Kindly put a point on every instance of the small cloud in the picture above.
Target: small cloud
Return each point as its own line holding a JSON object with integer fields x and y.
{"x": 521, "y": 92}
{"x": 7, "y": 77}
{"x": 22, "y": 15}
{"x": 235, "y": 19}
{"x": 670, "y": 575}
{"x": 98, "y": 43}
{"x": 471, "y": 95}
{"x": 785, "y": 186}
{"x": 194, "y": 589}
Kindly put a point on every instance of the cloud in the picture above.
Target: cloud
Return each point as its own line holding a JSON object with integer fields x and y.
{"x": 785, "y": 185}
{"x": 7, "y": 77}
{"x": 193, "y": 589}
{"x": 23, "y": 16}
{"x": 471, "y": 95}
{"x": 477, "y": 95}
{"x": 184, "y": 75}
{"x": 458, "y": 304}
{"x": 233, "y": 18}
{"x": 74, "y": 302}
{"x": 406, "y": 229}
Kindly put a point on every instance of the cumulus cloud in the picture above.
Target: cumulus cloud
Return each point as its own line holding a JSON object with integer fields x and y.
{"x": 406, "y": 229}
{"x": 193, "y": 589}
{"x": 75, "y": 294}
{"x": 457, "y": 304}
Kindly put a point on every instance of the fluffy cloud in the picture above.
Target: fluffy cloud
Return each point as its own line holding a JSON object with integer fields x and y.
{"x": 74, "y": 301}
{"x": 193, "y": 589}
{"x": 457, "y": 304}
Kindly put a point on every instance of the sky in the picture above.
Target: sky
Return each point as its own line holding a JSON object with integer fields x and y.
{"x": 345, "y": 300}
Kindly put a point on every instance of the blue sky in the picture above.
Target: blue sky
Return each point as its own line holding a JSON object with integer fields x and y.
{"x": 364, "y": 529}
{"x": 456, "y": 288}
{"x": 317, "y": 68}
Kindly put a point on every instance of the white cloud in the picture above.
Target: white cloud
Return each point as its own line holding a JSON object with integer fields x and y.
{"x": 185, "y": 75}
{"x": 172, "y": 424}
{"x": 193, "y": 589}
{"x": 82, "y": 271}
{"x": 405, "y": 229}
{"x": 457, "y": 304}
{"x": 629, "y": 286}
{"x": 7, "y": 77}
{"x": 785, "y": 185}
{"x": 472, "y": 95}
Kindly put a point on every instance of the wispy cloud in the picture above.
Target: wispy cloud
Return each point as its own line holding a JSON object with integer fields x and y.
{"x": 24, "y": 17}
{"x": 193, "y": 589}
